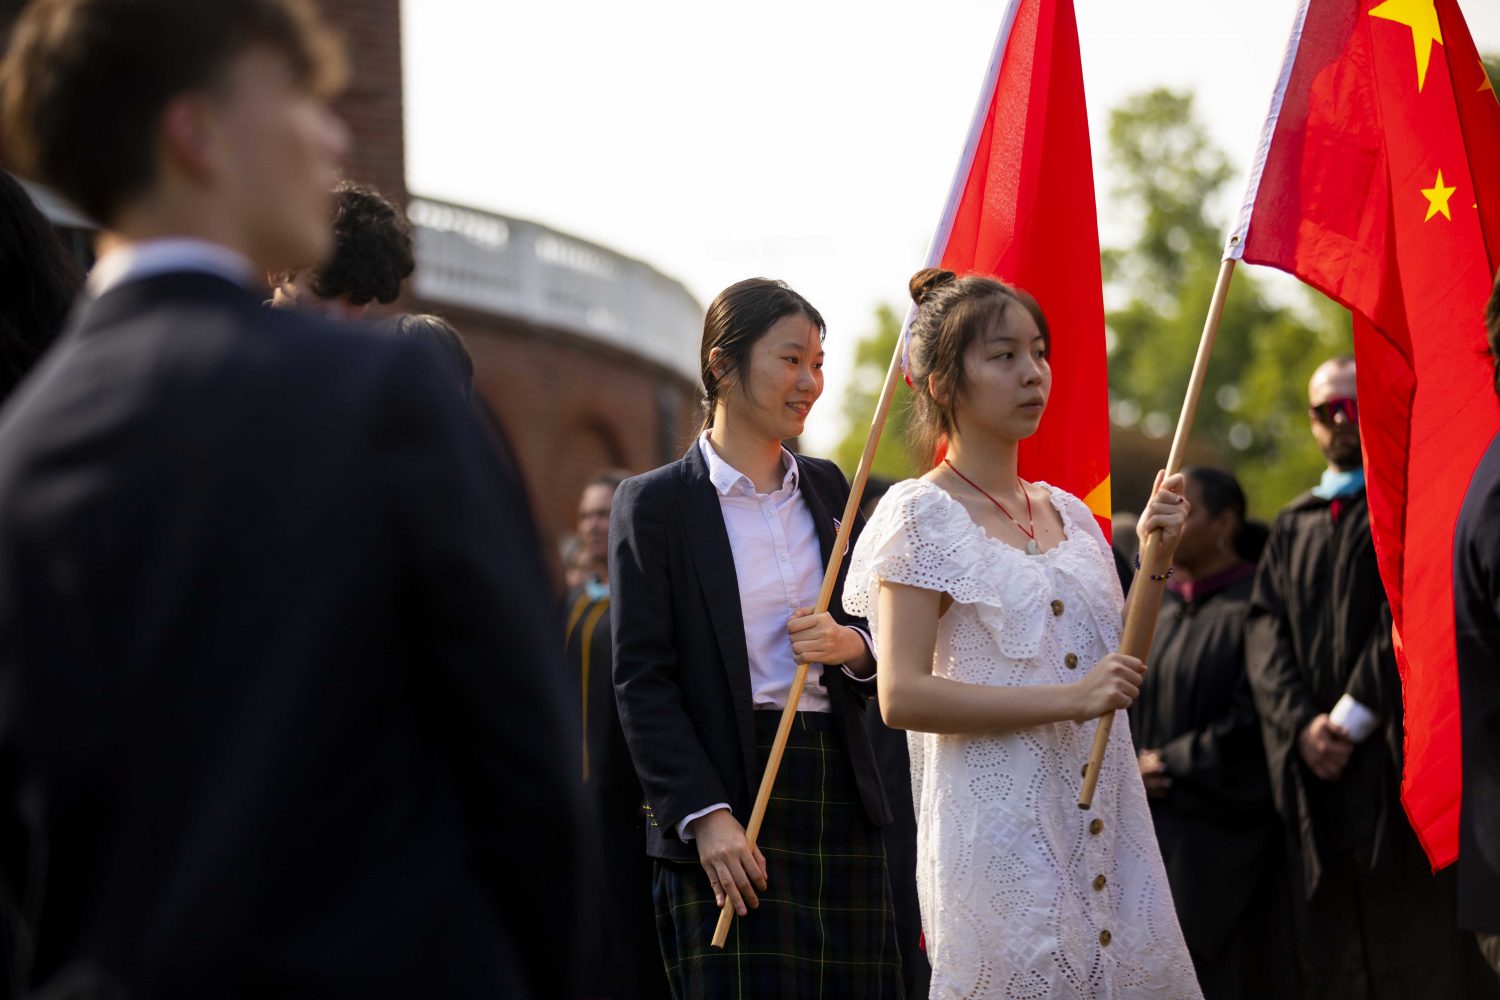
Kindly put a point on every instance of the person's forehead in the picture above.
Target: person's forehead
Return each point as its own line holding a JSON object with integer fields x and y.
{"x": 1013, "y": 323}
{"x": 1331, "y": 383}
{"x": 596, "y": 496}
{"x": 795, "y": 331}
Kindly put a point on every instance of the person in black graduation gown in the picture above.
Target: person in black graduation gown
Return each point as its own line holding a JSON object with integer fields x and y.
{"x": 1371, "y": 918}
{"x": 280, "y": 700}
{"x": 715, "y": 563}
{"x": 624, "y": 961}
{"x": 1201, "y": 757}
{"x": 1476, "y": 609}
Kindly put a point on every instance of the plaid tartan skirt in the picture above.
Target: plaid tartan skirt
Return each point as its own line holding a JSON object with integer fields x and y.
{"x": 825, "y": 926}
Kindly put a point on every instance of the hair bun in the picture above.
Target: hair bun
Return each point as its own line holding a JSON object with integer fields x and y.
{"x": 927, "y": 281}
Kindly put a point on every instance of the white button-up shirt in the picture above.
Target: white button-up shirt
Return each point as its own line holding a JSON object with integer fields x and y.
{"x": 779, "y": 566}
{"x": 148, "y": 258}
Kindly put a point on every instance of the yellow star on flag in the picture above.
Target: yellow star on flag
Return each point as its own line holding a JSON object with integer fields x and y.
{"x": 1437, "y": 198}
{"x": 1484, "y": 77}
{"x": 1421, "y": 17}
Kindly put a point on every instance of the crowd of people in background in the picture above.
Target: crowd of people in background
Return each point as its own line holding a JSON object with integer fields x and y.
{"x": 411, "y": 768}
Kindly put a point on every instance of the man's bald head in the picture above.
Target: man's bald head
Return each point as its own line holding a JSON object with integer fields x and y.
{"x": 1333, "y": 379}
{"x": 1335, "y": 425}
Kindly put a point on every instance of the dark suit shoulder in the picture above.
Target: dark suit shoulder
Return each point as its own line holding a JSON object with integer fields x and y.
{"x": 651, "y": 489}
{"x": 825, "y": 477}
{"x": 311, "y": 348}
{"x": 823, "y": 468}
{"x": 205, "y": 336}
{"x": 195, "y": 369}
{"x": 1481, "y": 506}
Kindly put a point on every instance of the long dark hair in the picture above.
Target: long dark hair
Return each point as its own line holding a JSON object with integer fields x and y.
{"x": 952, "y": 312}
{"x": 1221, "y": 491}
{"x": 40, "y": 281}
{"x": 736, "y": 319}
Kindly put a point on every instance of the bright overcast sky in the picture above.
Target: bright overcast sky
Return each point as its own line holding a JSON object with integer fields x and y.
{"x": 808, "y": 140}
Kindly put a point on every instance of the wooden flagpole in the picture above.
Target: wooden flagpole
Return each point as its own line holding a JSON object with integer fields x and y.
{"x": 1146, "y": 592}
{"x": 867, "y": 459}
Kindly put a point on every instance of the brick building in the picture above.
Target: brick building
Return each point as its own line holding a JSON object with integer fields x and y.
{"x": 588, "y": 357}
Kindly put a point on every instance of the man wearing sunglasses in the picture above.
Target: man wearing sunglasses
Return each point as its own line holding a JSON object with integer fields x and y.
{"x": 1370, "y": 918}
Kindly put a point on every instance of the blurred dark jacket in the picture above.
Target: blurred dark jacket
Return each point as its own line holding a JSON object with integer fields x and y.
{"x": 280, "y": 708}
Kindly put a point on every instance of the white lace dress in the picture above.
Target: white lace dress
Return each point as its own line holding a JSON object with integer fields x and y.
{"x": 1024, "y": 894}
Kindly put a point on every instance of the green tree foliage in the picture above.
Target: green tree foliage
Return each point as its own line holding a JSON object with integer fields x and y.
{"x": 1252, "y": 416}
{"x": 871, "y": 361}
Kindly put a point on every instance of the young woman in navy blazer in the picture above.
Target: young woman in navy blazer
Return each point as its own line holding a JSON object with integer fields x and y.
{"x": 716, "y": 561}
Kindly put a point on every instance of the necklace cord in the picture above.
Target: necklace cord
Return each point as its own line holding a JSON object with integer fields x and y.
{"x": 1028, "y": 532}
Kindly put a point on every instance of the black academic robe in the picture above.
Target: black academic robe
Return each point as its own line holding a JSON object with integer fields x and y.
{"x": 1371, "y": 918}
{"x": 1476, "y": 607}
{"x": 281, "y": 710}
{"x": 1218, "y": 830}
{"x": 622, "y": 960}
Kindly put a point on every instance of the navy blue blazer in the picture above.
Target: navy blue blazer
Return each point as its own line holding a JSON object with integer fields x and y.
{"x": 1476, "y": 611}
{"x": 681, "y": 671}
{"x": 281, "y": 707}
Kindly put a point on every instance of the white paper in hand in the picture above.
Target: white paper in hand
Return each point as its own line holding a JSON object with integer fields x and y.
{"x": 1353, "y": 718}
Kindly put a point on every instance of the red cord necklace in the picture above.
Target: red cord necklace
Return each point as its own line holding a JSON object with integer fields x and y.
{"x": 1032, "y": 548}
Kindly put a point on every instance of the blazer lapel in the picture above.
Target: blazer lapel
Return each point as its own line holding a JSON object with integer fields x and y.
{"x": 825, "y": 520}
{"x": 708, "y": 541}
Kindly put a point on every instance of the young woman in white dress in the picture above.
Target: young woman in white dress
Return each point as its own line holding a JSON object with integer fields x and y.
{"x": 996, "y": 611}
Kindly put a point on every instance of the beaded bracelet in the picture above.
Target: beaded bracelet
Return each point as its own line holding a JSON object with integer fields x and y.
{"x": 1157, "y": 577}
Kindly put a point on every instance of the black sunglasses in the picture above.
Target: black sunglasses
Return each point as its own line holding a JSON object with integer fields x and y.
{"x": 1325, "y": 412}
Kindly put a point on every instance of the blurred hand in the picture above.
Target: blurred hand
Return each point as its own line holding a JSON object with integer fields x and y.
{"x": 1168, "y": 510}
{"x": 1112, "y": 684}
{"x": 1154, "y": 774}
{"x": 820, "y": 639}
{"x": 733, "y": 866}
{"x": 1325, "y": 748}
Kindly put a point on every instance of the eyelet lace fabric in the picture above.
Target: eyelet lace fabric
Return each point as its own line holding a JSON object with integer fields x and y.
{"x": 1023, "y": 894}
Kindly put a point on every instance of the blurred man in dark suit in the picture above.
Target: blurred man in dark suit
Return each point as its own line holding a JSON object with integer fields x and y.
{"x": 279, "y": 699}
{"x": 1476, "y": 608}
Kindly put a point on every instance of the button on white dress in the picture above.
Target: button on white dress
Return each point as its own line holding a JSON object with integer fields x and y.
{"x": 1023, "y": 894}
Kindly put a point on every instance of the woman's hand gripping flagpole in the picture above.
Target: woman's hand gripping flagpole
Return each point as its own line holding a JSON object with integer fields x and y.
{"x": 1156, "y": 559}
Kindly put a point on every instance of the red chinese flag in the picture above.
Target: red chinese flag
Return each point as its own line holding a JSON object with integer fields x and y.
{"x": 1378, "y": 183}
{"x": 1022, "y": 210}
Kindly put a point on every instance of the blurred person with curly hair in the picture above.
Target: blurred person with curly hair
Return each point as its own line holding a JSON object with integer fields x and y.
{"x": 372, "y": 256}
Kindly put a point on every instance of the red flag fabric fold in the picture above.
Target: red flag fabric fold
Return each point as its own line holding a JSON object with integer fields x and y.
{"x": 1378, "y": 183}
{"x": 1023, "y": 211}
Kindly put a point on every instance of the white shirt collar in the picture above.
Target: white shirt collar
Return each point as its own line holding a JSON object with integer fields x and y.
{"x": 148, "y": 258}
{"x": 726, "y": 478}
